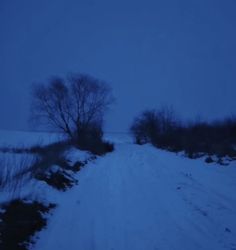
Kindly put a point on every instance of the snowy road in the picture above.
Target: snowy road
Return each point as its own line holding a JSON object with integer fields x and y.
{"x": 141, "y": 198}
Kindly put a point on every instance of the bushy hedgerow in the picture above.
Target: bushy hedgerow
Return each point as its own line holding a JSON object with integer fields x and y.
{"x": 163, "y": 130}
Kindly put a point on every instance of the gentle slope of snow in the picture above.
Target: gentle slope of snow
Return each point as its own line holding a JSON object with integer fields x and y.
{"x": 139, "y": 198}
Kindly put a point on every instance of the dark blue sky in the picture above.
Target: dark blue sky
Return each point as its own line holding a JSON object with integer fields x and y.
{"x": 180, "y": 53}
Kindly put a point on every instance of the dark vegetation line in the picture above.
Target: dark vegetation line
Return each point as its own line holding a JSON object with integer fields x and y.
{"x": 164, "y": 130}
{"x": 51, "y": 155}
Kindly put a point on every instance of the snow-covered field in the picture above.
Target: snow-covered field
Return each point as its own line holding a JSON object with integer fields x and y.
{"x": 13, "y": 163}
{"x": 142, "y": 198}
{"x": 9, "y": 138}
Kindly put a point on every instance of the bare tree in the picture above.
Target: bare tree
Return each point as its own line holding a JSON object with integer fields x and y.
{"x": 74, "y": 105}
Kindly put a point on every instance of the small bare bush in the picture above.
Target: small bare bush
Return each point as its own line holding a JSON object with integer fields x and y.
{"x": 15, "y": 172}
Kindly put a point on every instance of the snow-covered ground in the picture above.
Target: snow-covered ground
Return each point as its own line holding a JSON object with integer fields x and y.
{"x": 9, "y": 138}
{"x": 139, "y": 197}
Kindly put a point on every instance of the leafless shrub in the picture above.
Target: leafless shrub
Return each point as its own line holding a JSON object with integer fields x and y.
{"x": 15, "y": 172}
{"x": 155, "y": 126}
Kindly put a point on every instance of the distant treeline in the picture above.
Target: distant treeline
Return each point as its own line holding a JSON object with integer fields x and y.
{"x": 164, "y": 130}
